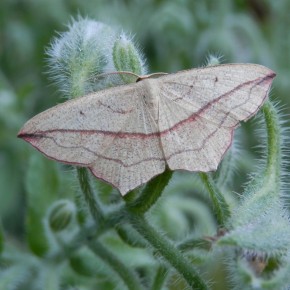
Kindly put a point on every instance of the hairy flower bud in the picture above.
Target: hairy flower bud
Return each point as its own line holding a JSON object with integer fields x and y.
{"x": 213, "y": 60}
{"x": 61, "y": 214}
{"x": 127, "y": 57}
{"x": 77, "y": 56}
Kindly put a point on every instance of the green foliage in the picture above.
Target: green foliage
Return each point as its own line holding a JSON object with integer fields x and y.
{"x": 2, "y": 240}
{"x": 166, "y": 235}
{"x": 41, "y": 187}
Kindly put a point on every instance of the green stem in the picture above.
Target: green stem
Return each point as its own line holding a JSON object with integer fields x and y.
{"x": 151, "y": 193}
{"x": 125, "y": 273}
{"x": 166, "y": 249}
{"x": 226, "y": 169}
{"x": 82, "y": 214}
{"x": 160, "y": 277}
{"x": 128, "y": 238}
{"x": 273, "y": 142}
{"x": 220, "y": 206}
{"x": 190, "y": 244}
{"x": 95, "y": 209}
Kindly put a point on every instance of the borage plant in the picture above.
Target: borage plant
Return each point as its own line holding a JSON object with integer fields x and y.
{"x": 133, "y": 131}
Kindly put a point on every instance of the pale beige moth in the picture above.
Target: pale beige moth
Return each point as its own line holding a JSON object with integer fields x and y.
{"x": 128, "y": 134}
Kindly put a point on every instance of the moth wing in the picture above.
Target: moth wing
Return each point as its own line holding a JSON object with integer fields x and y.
{"x": 109, "y": 131}
{"x": 200, "y": 108}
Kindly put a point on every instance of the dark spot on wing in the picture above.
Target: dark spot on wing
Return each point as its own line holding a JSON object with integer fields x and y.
{"x": 118, "y": 111}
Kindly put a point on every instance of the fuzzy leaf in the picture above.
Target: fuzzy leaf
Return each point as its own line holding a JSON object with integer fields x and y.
{"x": 2, "y": 240}
{"x": 48, "y": 278}
{"x": 90, "y": 266}
{"x": 267, "y": 230}
{"x": 133, "y": 256}
{"x": 281, "y": 277}
{"x": 11, "y": 278}
{"x": 42, "y": 184}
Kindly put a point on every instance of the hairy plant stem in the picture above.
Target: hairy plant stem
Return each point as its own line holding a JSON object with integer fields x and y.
{"x": 94, "y": 207}
{"x": 160, "y": 277}
{"x": 150, "y": 193}
{"x": 167, "y": 250}
{"x": 273, "y": 165}
{"x": 136, "y": 209}
{"x": 190, "y": 244}
{"x": 220, "y": 206}
{"x": 268, "y": 182}
{"x": 127, "y": 275}
{"x": 128, "y": 238}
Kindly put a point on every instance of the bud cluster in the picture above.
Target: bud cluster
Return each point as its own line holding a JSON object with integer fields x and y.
{"x": 88, "y": 49}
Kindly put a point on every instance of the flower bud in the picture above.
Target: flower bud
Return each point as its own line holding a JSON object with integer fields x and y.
{"x": 127, "y": 57}
{"x": 77, "y": 56}
{"x": 61, "y": 214}
{"x": 213, "y": 60}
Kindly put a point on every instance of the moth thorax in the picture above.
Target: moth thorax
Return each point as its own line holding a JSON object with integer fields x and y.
{"x": 151, "y": 96}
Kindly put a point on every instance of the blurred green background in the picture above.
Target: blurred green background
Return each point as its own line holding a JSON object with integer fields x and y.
{"x": 173, "y": 35}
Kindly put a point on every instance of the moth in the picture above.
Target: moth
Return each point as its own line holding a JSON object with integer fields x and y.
{"x": 128, "y": 134}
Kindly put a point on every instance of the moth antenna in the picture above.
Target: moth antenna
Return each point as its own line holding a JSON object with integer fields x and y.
{"x": 115, "y": 73}
{"x": 138, "y": 78}
{"x": 154, "y": 75}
